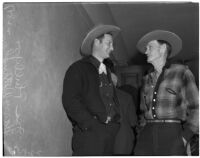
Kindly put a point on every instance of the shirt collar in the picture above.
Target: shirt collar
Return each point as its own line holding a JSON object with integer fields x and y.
{"x": 152, "y": 70}
{"x": 166, "y": 66}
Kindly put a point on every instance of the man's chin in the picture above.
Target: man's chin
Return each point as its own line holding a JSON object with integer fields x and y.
{"x": 149, "y": 61}
{"x": 108, "y": 56}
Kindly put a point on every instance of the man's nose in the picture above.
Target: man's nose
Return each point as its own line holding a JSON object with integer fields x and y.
{"x": 146, "y": 52}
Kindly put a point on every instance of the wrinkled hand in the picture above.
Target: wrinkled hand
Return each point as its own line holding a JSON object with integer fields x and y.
{"x": 188, "y": 148}
{"x": 184, "y": 141}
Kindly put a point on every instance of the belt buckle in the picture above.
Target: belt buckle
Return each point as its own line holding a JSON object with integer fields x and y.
{"x": 108, "y": 120}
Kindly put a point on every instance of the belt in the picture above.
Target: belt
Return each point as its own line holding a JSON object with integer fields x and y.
{"x": 163, "y": 121}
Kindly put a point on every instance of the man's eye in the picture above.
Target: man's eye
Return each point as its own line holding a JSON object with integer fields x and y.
{"x": 109, "y": 44}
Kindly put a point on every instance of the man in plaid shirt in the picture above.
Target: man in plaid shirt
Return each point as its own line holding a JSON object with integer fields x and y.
{"x": 169, "y": 98}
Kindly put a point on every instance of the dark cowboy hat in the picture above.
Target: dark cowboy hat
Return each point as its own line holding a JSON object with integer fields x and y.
{"x": 170, "y": 37}
{"x": 86, "y": 47}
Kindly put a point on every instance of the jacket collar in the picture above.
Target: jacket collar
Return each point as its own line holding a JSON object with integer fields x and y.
{"x": 92, "y": 60}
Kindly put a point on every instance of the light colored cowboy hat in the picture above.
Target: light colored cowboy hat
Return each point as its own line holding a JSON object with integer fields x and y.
{"x": 173, "y": 39}
{"x": 86, "y": 47}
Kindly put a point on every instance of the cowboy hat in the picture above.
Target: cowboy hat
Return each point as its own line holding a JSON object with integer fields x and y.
{"x": 86, "y": 47}
{"x": 170, "y": 37}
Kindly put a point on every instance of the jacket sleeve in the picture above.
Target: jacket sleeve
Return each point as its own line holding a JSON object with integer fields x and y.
{"x": 191, "y": 125}
{"x": 72, "y": 98}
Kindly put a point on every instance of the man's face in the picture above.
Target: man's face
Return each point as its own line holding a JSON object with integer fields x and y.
{"x": 105, "y": 46}
{"x": 153, "y": 51}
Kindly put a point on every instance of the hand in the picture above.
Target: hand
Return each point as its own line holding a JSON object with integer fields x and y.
{"x": 184, "y": 141}
{"x": 188, "y": 150}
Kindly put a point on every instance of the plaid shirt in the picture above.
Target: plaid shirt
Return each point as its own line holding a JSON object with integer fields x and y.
{"x": 177, "y": 97}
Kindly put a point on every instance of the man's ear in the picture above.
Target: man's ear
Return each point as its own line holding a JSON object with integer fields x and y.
{"x": 163, "y": 48}
{"x": 96, "y": 41}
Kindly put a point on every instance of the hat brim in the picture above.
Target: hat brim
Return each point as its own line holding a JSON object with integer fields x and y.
{"x": 86, "y": 47}
{"x": 173, "y": 39}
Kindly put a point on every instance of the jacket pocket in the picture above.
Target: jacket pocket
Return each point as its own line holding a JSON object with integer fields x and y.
{"x": 171, "y": 91}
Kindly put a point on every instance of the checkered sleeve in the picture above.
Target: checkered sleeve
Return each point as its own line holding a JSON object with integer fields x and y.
{"x": 191, "y": 125}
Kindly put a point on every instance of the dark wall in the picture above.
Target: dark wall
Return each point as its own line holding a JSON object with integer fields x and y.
{"x": 138, "y": 18}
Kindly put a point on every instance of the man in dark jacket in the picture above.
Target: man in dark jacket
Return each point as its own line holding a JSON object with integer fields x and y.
{"x": 89, "y": 96}
{"x": 125, "y": 139}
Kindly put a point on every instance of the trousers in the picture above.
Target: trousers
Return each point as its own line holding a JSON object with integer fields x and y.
{"x": 96, "y": 141}
{"x": 160, "y": 139}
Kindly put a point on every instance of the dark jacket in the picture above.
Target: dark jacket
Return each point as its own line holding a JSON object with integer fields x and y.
{"x": 81, "y": 96}
{"x": 125, "y": 138}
